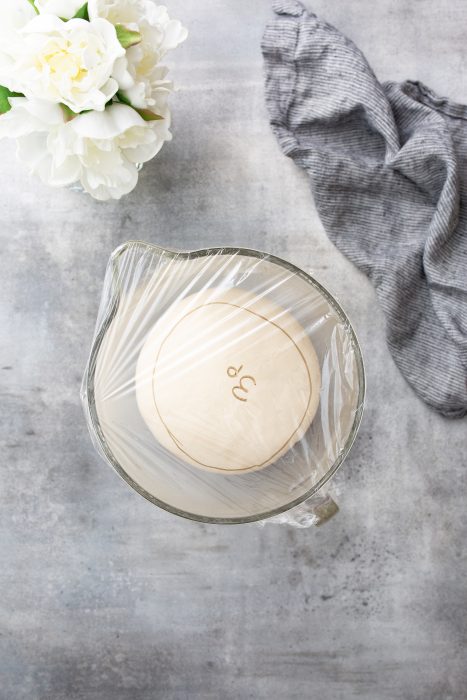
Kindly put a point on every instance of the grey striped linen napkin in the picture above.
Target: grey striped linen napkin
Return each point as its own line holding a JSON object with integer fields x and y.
{"x": 388, "y": 166}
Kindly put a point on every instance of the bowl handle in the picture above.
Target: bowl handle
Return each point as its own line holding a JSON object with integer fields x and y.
{"x": 323, "y": 508}
{"x": 316, "y": 511}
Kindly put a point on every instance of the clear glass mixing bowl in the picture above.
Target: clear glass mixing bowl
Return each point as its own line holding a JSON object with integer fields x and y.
{"x": 142, "y": 283}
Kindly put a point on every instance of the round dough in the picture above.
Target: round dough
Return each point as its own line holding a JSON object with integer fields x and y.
{"x": 228, "y": 381}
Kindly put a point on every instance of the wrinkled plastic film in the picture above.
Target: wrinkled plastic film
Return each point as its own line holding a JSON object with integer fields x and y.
{"x": 224, "y": 385}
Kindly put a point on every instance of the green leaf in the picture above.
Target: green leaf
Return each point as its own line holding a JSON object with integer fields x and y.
{"x": 122, "y": 98}
{"x": 147, "y": 115}
{"x": 127, "y": 37}
{"x": 5, "y": 95}
{"x": 82, "y": 12}
{"x": 31, "y": 2}
{"x": 69, "y": 114}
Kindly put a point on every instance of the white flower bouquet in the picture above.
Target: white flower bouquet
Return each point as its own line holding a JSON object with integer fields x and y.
{"x": 82, "y": 88}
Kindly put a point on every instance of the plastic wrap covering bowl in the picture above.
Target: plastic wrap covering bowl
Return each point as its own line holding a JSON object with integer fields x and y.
{"x": 224, "y": 385}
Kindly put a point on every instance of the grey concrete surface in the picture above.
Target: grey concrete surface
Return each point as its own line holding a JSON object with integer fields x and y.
{"x": 104, "y": 597}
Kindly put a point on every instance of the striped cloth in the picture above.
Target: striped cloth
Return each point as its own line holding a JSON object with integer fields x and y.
{"x": 388, "y": 166}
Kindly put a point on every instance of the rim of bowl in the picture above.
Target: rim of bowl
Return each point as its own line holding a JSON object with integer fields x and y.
{"x": 88, "y": 383}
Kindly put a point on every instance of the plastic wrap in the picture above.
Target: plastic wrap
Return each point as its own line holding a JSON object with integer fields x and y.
{"x": 224, "y": 385}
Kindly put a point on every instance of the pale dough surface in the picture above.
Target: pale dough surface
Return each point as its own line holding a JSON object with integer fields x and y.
{"x": 228, "y": 381}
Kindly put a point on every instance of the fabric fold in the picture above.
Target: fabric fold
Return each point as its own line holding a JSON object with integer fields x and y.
{"x": 388, "y": 168}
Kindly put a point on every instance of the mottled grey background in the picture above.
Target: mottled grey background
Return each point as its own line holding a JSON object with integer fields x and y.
{"x": 104, "y": 597}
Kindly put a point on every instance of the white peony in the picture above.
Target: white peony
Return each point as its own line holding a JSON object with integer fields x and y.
{"x": 159, "y": 34}
{"x": 106, "y": 71}
{"x": 99, "y": 149}
{"x": 68, "y": 62}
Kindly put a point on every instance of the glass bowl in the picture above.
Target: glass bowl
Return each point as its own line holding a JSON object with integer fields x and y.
{"x": 145, "y": 290}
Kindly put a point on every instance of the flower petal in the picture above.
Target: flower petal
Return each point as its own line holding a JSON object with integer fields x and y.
{"x": 28, "y": 116}
{"x": 61, "y": 8}
{"x": 108, "y": 124}
{"x": 123, "y": 181}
